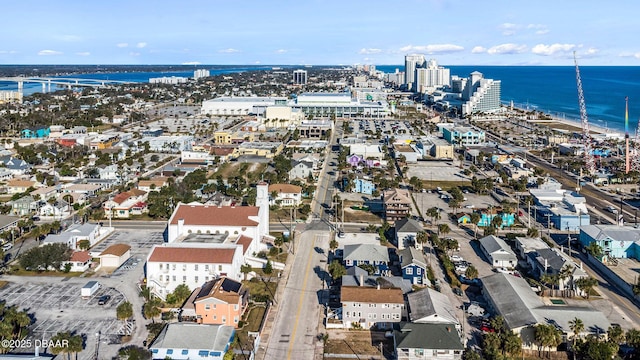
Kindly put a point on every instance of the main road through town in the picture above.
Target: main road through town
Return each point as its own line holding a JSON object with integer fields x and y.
{"x": 295, "y": 332}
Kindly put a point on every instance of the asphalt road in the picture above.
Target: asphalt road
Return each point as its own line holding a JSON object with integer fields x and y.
{"x": 295, "y": 332}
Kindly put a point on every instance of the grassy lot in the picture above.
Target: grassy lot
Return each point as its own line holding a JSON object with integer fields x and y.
{"x": 257, "y": 287}
{"x": 15, "y": 270}
{"x": 351, "y": 215}
{"x": 3, "y": 283}
{"x": 361, "y": 342}
{"x": 252, "y": 320}
{"x": 445, "y": 185}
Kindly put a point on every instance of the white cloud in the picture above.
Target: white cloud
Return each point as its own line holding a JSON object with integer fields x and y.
{"x": 8, "y": 52}
{"x": 540, "y": 29}
{"x": 49, "y": 52}
{"x": 229, "y": 51}
{"x": 281, "y": 51}
{"x": 433, "y": 49}
{"x": 508, "y": 29}
{"x": 478, "y": 50}
{"x": 133, "y": 53}
{"x": 637, "y": 55}
{"x": 369, "y": 51}
{"x": 553, "y": 49}
{"x": 140, "y": 45}
{"x": 83, "y": 53}
{"x": 122, "y": 45}
{"x": 257, "y": 62}
{"x": 192, "y": 63}
{"x": 507, "y": 49}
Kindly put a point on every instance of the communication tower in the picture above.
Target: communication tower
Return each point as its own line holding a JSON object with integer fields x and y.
{"x": 589, "y": 161}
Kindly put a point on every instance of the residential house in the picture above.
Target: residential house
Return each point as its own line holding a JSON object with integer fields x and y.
{"x": 363, "y": 186}
{"x": 512, "y": 298}
{"x": 301, "y": 170}
{"x": 114, "y": 256}
{"x": 463, "y": 218}
{"x": 285, "y": 195}
{"x": 366, "y": 307}
{"x": 359, "y": 277}
{"x": 89, "y": 190}
{"x": 16, "y": 166}
{"x": 375, "y": 257}
{"x": 35, "y": 133}
{"x": 397, "y": 204}
{"x": 486, "y": 217}
{"x": 412, "y": 342}
{"x": 126, "y": 204}
{"x": 498, "y": 252}
{"x": 615, "y": 241}
{"x": 182, "y": 341}
{"x": 221, "y": 301}
{"x": 355, "y": 160}
{"x": 7, "y": 223}
{"x": 525, "y": 245}
{"x": 406, "y": 230}
{"x": 74, "y": 234}
{"x": 80, "y": 261}
{"x": 413, "y": 265}
{"x": 192, "y": 264}
{"x": 24, "y": 206}
{"x": 554, "y": 263}
{"x": 18, "y": 186}
{"x": 153, "y": 184}
{"x": 367, "y": 151}
{"x": 45, "y": 193}
{"x": 57, "y": 209}
{"x": 428, "y": 306}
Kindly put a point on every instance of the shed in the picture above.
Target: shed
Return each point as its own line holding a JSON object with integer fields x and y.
{"x": 115, "y": 255}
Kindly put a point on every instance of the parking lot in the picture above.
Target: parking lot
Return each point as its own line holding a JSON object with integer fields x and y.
{"x": 57, "y": 306}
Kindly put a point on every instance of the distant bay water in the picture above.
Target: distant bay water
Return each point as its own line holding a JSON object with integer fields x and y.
{"x": 550, "y": 89}
{"x": 553, "y": 90}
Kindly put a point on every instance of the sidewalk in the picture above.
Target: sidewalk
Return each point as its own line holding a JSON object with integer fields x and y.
{"x": 275, "y": 308}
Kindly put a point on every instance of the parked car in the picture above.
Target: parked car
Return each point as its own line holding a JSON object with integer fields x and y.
{"x": 104, "y": 299}
{"x": 456, "y": 258}
{"x": 7, "y": 246}
{"x": 612, "y": 209}
{"x": 457, "y": 291}
{"x": 461, "y": 268}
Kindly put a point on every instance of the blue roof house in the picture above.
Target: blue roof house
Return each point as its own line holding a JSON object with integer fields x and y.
{"x": 363, "y": 186}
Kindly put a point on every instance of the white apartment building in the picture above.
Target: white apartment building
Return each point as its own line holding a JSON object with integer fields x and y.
{"x": 201, "y": 73}
{"x": 432, "y": 76}
{"x": 411, "y": 63}
{"x": 481, "y": 95}
{"x": 170, "y": 265}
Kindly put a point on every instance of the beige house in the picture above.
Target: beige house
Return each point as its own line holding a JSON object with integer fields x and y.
{"x": 153, "y": 184}
{"x": 115, "y": 255}
{"x": 16, "y": 186}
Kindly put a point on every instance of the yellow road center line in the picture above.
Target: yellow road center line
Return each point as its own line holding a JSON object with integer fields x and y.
{"x": 302, "y": 294}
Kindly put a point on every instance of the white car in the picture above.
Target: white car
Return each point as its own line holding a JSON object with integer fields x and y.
{"x": 504, "y": 270}
{"x": 456, "y": 258}
{"x": 461, "y": 268}
{"x": 7, "y": 246}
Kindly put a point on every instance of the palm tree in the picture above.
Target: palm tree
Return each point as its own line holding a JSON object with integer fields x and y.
{"x": 124, "y": 311}
{"x": 434, "y": 213}
{"x": 586, "y": 284}
{"x": 443, "y": 229}
{"x": 152, "y": 308}
{"x": 21, "y": 320}
{"x": 60, "y": 339}
{"x": 246, "y": 269}
{"x": 75, "y": 345}
{"x": 475, "y": 218}
{"x": 333, "y": 245}
{"x": 577, "y": 326}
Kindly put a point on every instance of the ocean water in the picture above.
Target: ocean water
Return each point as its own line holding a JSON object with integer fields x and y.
{"x": 553, "y": 90}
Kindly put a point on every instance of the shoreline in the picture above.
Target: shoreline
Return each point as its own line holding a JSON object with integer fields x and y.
{"x": 576, "y": 124}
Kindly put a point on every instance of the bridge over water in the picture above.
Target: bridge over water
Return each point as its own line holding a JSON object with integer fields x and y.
{"x": 62, "y": 81}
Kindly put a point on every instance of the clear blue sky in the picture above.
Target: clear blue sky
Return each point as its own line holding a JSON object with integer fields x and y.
{"x": 454, "y": 32}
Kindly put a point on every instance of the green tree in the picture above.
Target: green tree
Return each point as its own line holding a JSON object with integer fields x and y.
{"x": 595, "y": 349}
{"x": 333, "y": 245}
{"x": 151, "y": 308}
{"x": 179, "y": 294}
{"x": 577, "y": 327}
{"x": 434, "y": 214}
{"x": 586, "y": 284}
{"x": 615, "y": 334}
{"x": 84, "y": 244}
{"x": 475, "y": 218}
{"x": 133, "y": 352}
{"x": 63, "y": 340}
{"x": 548, "y": 336}
{"x": 471, "y": 272}
{"x": 124, "y": 311}
{"x": 337, "y": 270}
{"x": 594, "y": 249}
{"x": 268, "y": 268}
{"x": 47, "y": 257}
{"x": 443, "y": 229}
{"x": 245, "y": 269}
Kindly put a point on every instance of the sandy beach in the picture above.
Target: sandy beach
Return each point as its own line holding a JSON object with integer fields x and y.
{"x": 576, "y": 126}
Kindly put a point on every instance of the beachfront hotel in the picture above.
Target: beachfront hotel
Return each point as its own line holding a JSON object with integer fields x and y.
{"x": 480, "y": 94}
